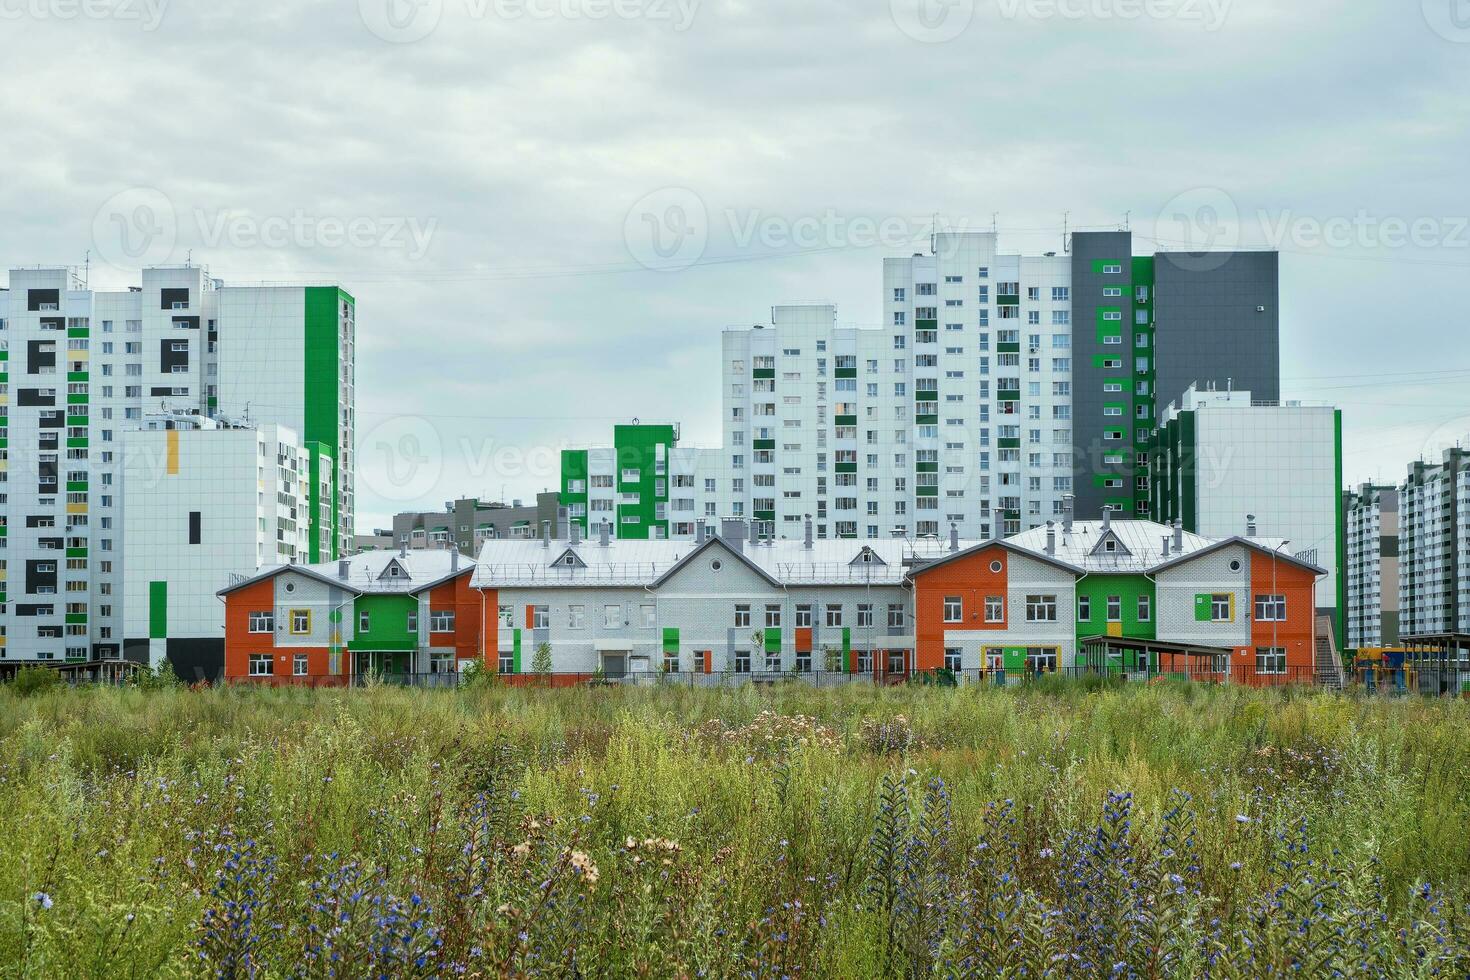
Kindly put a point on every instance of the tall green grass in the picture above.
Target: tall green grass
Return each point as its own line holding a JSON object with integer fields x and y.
{"x": 675, "y": 831}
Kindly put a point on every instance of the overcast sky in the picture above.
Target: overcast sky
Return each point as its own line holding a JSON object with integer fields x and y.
{"x": 493, "y": 179}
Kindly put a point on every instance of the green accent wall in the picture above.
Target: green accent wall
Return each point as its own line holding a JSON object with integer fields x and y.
{"x": 636, "y": 447}
{"x": 848, "y": 653}
{"x": 574, "y": 467}
{"x": 516, "y": 653}
{"x": 1341, "y": 536}
{"x": 1128, "y": 588}
{"x": 323, "y": 381}
{"x": 387, "y": 623}
{"x": 158, "y": 610}
{"x": 773, "y": 639}
{"x": 671, "y": 640}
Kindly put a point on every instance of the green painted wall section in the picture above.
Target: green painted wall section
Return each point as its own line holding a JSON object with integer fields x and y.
{"x": 158, "y": 610}
{"x": 516, "y": 653}
{"x": 1341, "y": 536}
{"x": 574, "y": 467}
{"x": 636, "y": 447}
{"x": 671, "y": 640}
{"x": 1128, "y": 588}
{"x": 387, "y": 623}
{"x": 773, "y": 639}
{"x": 323, "y": 379}
{"x": 848, "y": 653}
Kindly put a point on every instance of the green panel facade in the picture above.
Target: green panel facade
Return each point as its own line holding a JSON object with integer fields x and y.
{"x": 388, "y": 623}
{"x": 1135, "y": 615}
{"x": 574, "y": 471}
{"x": 637, "y": 447}
{"x": 158, "y": 610}
{"x": 323, "y": 383}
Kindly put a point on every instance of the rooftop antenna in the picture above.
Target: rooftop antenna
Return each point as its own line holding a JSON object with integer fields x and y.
{"x": 1066, "y": 242}
{"x": 1127, "y": 220}
{"x": 993, "y": 229}
{"x": 87, "y": 268}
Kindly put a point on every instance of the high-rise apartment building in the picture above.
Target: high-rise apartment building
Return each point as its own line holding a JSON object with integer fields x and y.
{"x": 83, "y": 367}
{"x": 645, "y": 486}
{"x": 1371, "y": 573}
{"x": 1220, "y": 457}
{"x": 996, "y": 385}
{"x": 1434, "y": 547}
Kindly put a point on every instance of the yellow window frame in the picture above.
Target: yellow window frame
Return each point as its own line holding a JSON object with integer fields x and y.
{"x": 300, "y": 612}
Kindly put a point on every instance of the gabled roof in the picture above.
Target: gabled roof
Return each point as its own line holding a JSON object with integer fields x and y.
{"x": 1107, "y": 537}
{"x": 715, "y": 542}
{"x": 867, "y": 556}
{"x": 1003, "y": 543}
{"x": 423, "y": 568}
{"x": 1258, "y": 545}
{"x": 576, "y": 561}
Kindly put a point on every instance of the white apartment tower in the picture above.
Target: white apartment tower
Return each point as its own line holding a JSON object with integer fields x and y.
{"x": 83, "y": 367}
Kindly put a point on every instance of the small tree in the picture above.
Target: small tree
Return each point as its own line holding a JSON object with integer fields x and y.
{"x": 541, "y": 660}
{"x": 35, "y": 680}
{"x": 832, "y": 659}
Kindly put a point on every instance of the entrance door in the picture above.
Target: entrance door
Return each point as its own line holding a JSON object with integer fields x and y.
{"x": 615, "y": 665}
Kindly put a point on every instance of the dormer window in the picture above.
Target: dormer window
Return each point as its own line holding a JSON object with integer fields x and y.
{"x": 1110, "y": 545}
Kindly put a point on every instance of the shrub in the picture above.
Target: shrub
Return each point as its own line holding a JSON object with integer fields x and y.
{"x": 35, "y": 680}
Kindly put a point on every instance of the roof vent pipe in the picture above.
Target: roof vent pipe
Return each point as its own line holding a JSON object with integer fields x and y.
{"x": 1107, "y": 513}
{"x": 1250, "y": 525}
{"x": 344, "y": 568}
{"x": 1068, "y": 502}
{"x": 403, "y": 550}
{"x": 954, "y": 536}
{"x": 546, "y": 534}
{"x": 453, "y": 560}
{"x": 1166, "y": 545}
{"x": 807, "y": 541}
{"x": 1051, "y": 537}
{"x": 1178, "y": 535}
{"x": 576, "y": 536}
{"x": 603, "y": 533}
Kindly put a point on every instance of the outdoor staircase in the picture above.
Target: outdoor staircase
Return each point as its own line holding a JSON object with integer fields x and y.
{"x": 1328, "y": 665}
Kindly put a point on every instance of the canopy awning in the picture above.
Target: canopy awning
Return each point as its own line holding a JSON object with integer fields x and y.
{"x": 1138, "y": 645}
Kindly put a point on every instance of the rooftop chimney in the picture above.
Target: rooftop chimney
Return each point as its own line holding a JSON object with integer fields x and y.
{"x": 344, "y": 569}
{"x": 546, "y": 534}
{"x": 1051, "y": 537}
{"x": 603, "y": 533}
{"x": 1166, "y": 545}
{"x": 403, "y": 550}
{"x": 1067, "y": 503}
{"x": 453, "y": 560}
{"x": 561, "y": 524}
{"x": 807, "y": 541}
{"x": 732, "y": 529}
{"x": 576, "y": 535}
{"x": 954, "y": 536}
{"x": 1107, "y": 517}
{"x": 1178, "y": 535}
{"x": 699, "y": 531}
{"x": 1250, "y": 525}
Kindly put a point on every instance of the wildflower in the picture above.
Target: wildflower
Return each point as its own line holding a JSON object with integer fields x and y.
{"x": 521, "y": 850}
{"x": 42, "y": 899}
{"x": 1242, "y": 818}
{"x": 583, "y": 863}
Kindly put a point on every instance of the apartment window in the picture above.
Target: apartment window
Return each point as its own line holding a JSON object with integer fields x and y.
{"x": 834, "y": 614}
{"x": 1145, "y": 609}
{"x": 411, "y": 621}
{"x": 612, "y": 616}
{"x": 363, "y": 622}
{"x": 1271, "y": 608}
{"x": 954, "y": 611}
{"x": 1115, "y": 609}
{"x": 1084, "y": 608}
{"x": 576, "y": 616}
{"x": 865, "y": 615}
{"x": 442, "y": 621}
{"x": 773, "y": 616}
{"x": 300, "y": 621}
{"x": 742, "y": 661}
{"x": 298, "y": 665}
{"x": 1041, "y": 609}
{"x": 742, "y": 616}
{"x": 1220, "y": 608}
{"x": 540, "y": 618}
{"x": 995, "y": 609}
{"x": 646, "y": 614}
{"x": 262, "y": 665}
{"x": 803, "y": 616}
{"x": 262, "y": 622}
{"x": 1270, "y": 660}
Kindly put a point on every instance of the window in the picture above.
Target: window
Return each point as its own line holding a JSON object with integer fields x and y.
{"x": 952, "y": 659}
{"x": 300, "y": 621}
{"x": 612, "y": 616}
{"x": 773, "y": 616}
{"x": 1041, "y": 609}
{"x": 262, "y": 665}
{"x": 865, "y": 615}
{"x": 742, "y": 661}
{"x": 742, "y": 616}
{"x": 834, "y": 614}
{"x": 576, "y": 616}
{"x": 1220, "y": 611}
{"x": 646, "y": 616}
{"x": 442, "y": 621}
{"x": 1270, "y": 660}
{"x": 262, "y": 622}
{"x": 363, "y": 622}
{"x": 507, "y": 663}
{"x": 411, "y": 621}
{"x": 954, "y": 610}
{"x": 1084, "y": 608}
{"x": 895, "y": 616}
{"x": 803, "y": 616}
{"x": 995, "y": 609}
{"x": 1145, "y": 609}
{"x": 1115, "y": 609}
{"x": 298, "y": 665}
{"x": 1271, "y": 608}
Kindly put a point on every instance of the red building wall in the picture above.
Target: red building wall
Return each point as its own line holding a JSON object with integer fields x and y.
{"x": 971, "y": 579}
{"x": 1298, "y": 634}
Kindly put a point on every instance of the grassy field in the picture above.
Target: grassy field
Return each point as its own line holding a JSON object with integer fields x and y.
{"x": 1145, "y": 831}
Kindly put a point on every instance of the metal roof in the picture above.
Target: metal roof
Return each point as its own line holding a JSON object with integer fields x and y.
{"x": 425, "y": 567}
